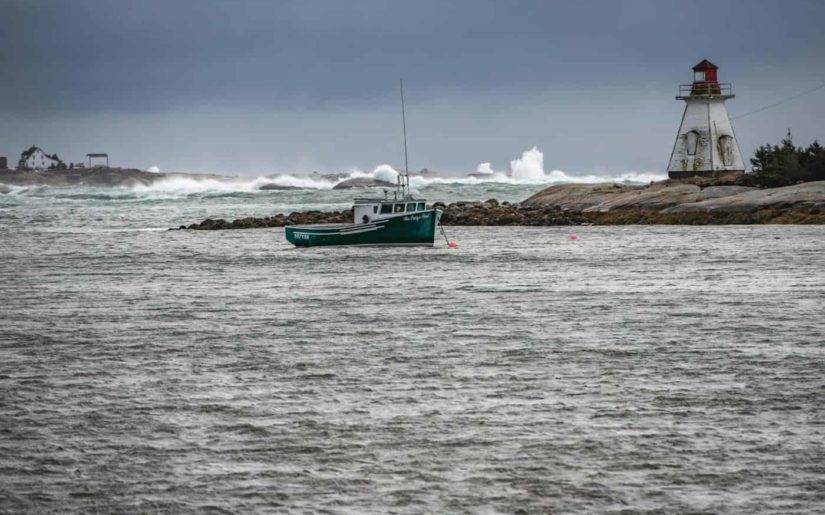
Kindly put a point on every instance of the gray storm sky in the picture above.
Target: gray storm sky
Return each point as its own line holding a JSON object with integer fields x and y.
{"x": 256, "y": 86}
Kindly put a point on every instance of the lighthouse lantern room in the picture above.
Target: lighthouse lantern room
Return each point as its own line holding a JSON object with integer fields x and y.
{"x": 705, "y": 144}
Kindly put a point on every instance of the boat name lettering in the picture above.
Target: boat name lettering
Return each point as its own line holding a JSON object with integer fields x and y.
{"x": 413, "y": 218}
{"x": 300, "y": 235}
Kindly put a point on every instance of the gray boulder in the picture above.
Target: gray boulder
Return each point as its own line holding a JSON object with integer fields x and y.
{"x": 362, "y": 182}
{"x": 277, "y": 187}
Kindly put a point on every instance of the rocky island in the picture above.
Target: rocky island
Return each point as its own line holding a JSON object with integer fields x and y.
{"x": 98, "y": 177}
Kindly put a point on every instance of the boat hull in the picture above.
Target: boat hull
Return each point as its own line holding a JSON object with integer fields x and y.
{"x": 409, "y": 229}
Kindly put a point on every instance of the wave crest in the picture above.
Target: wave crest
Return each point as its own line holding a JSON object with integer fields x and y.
{"x": 525, "y": 170}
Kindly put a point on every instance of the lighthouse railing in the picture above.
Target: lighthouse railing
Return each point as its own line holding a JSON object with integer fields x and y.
{"x": 706, "y": 89}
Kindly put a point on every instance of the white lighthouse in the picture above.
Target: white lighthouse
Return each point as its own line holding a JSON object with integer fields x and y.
{"x": 706, "y": 144}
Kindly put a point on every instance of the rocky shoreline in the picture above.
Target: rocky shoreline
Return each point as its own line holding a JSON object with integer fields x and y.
{"x": 727, "y": 199}
{"x": 665, "y": 203}
{"x": 99, "y": 177}
{"x": 698, "y": 201}
{"x": 490, "y": 212}
{"x": 767, "y": 216}
{"x": 688, "y": 203}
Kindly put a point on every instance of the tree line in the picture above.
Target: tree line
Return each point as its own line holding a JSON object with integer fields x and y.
{"x": 786, "y": 164}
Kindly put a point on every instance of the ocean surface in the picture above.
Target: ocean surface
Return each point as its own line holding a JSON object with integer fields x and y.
{"x": 634, "y": 370}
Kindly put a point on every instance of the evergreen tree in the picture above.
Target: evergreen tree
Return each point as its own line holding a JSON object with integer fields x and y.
{"x": 785, "y": 164}
{"x": 812, "y": 162}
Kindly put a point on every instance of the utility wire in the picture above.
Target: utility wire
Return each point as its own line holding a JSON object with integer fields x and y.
{"x": 784, "y": 100}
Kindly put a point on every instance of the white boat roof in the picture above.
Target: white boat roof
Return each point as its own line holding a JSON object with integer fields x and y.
{"x": 385, "y": 200}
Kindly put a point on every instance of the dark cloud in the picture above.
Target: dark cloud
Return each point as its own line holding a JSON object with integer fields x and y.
{"x": 64, "y": 60}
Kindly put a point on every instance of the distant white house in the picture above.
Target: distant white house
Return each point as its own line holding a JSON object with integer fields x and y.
{"x": 35, "y": 159}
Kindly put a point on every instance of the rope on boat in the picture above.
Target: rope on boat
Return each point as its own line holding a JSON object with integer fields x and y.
{"x": 450, "y": 244}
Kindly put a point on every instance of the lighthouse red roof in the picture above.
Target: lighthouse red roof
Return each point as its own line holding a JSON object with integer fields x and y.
{"x": 704, "y": 66}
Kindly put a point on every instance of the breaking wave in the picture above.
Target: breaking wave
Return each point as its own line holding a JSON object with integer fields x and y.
{"x": 184, "y": 185}
{"x": 529, "y": 169}
{"x": 525, "y": 170}
{"x": 11, "y": 189}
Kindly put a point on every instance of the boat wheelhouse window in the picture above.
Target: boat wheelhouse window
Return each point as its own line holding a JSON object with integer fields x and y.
{"x": 399, "y": 208}
{"x": 386, "y": 208}
{"x": 374, "y": 209}
{"x": 410, "y": 207}
{"x": 421, "y": 206}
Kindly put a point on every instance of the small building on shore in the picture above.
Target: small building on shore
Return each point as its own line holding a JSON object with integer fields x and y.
{"x": 97, "y": 159}
{"x": 706, "y": 144}
{"x": 4, "y": 163}
{"x": 34, "y": 158}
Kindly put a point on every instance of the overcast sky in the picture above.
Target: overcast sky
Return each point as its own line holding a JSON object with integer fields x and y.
{"x": 262, "y": 86}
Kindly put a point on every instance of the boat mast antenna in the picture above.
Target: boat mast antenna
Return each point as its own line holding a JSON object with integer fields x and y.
{"x": 405, "y": 182}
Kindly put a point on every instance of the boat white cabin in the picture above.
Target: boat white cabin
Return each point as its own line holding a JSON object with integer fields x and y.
{"x": 366, "y": 210}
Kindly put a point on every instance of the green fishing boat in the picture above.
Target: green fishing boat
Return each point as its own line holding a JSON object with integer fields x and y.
{"x": 399, "y": 221}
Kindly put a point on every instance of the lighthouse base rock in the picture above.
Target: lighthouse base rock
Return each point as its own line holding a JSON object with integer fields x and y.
{"x": 679, "y": 202}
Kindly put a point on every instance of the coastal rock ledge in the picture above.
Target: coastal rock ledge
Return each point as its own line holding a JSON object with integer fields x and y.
{"x": 682, "y": 202}
{"x": 490, "y": 212}
{"x": 666, "y": 203}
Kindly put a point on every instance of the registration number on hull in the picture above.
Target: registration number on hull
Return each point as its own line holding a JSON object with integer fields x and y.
{"x": 413, "y": 218}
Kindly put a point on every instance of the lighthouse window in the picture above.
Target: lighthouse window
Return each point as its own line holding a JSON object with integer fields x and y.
{"x": 699, "y": 76}
{"x": 692, "y": 142}
{"x": 399, "y": 208}
{"x": 386, "y": 208}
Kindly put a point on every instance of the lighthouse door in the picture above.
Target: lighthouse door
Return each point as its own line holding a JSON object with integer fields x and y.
{"x": 726, "y": 149}
{"x": 692, "y": 142}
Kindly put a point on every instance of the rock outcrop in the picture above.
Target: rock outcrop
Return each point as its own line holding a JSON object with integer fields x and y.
{"x": 362, "y": 182}
{"x": 490, "y": 212}
{"x": 677, "y": 197}
{"x": 677, "y": 202}
{"x": 278, "y": 220}
{"x": 272, "y": 186}
{"x": 99, "y": 177}
{"x": 808, "y": 195}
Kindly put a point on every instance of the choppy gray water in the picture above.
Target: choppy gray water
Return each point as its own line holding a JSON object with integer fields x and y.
{"x": 636, "y": 370}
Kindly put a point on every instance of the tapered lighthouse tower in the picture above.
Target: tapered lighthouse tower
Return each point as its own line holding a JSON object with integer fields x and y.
{"x": 706, "y": 144}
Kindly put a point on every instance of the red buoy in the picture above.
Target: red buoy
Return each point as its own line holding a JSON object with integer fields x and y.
{"x": 452, "y": 244}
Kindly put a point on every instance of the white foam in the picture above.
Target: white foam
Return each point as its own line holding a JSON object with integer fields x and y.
{"x": 527, "y": 170}
{"x": 385, "y": 173}
{"x": 530, "y": 168}
{"x": 12, "y": 189}
{"x": 189, "y": 185}
{"x": 180, "y": 185}
{"x": 484, "y": 168}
